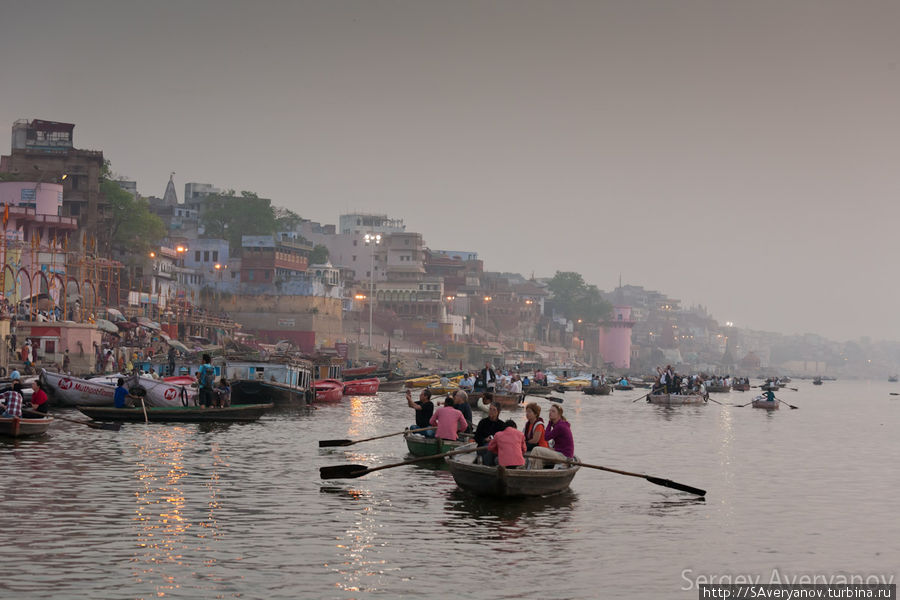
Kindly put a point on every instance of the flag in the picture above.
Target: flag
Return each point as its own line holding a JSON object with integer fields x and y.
{"x": 5, "y": 215}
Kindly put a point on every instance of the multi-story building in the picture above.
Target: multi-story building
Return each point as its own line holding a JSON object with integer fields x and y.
{"x": 44, "y": 151}
{"x": 270, "y": 259}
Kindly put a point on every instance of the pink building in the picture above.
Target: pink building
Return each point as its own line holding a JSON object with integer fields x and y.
{"x": 615, "y": 338}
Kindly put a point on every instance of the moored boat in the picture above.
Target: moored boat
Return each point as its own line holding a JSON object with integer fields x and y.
{"x": 287, "y": 382}
{"x": 361, "y": 387}
{"x": 328, "y": 390}
{"x": 66, "y": 390}
{"x": 178, "y": 414}
{"x": 675, "y": 399}
{"x": 359, "y": 372}
{"x": 391, "y": 386}
{"x": 420, "y": 445}
{"x": 817, "y": 381}
{"x": 509, "y": 483}
{"x": 892, "y": 379}
{"x": 537, "y": 390}
{"x": 718, "y": 389}
{"x": 18, "y": 427}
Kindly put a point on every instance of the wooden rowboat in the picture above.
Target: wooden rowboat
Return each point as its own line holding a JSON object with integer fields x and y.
{"x": 392, "y": 386}
{"x": 509, "y": 483}
{"x": 603, "y": 390}
{"x": 178, "y": 414}
{"x": 537, "y": 390}
{"x": 675, "y": 399}
{"x": 766, "y": 404}
{"x": 14, "y": 427}
{"x": 420, "y": 445}
{"x": 718, "y": 389}
{"x": 741, "y": 387}
{"x": 507, "y": 401}
{"x": 623, "y": 388}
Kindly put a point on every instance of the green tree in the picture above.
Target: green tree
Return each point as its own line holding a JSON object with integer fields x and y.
{"x": 318, "y": 255}
{"x": 577, "y": 300}
{"x": 230, "y": 217}
{"x": 286, "y": 219}
{"x": 133, "y": 228}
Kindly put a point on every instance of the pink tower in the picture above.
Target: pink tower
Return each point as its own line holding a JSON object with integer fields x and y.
{"x": 615, "y": 338}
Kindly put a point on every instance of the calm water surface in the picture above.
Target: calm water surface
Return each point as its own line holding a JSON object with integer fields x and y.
{"x": 198, "y": 511}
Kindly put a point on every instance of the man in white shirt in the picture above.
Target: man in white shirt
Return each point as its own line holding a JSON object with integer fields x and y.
{"x": 515, "y": 387}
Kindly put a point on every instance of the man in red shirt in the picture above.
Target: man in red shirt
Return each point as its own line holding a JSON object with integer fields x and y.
{"x": 509, "y": 446}
{"x": 38, "y": 398}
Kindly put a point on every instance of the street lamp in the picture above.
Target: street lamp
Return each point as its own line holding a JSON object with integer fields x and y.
{"x": 372, "y": 239}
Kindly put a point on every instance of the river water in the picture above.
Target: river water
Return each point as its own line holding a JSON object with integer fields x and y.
{"x": 239, "y": 511}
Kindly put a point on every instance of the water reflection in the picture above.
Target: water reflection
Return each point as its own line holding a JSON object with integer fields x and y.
{"x": 507, "y": 517}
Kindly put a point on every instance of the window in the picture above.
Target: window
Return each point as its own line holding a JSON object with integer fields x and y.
{"x": 406, "y": 241}
{"x": 197, "y": 256}
{"x": 268, "y": 274}
{"x": 50, "y": 346}
{"x": 206, "y": 256}
{"x": 354, "y": 258}
{"x": 74, "y": 209}
{"x": 250, "y": 274}
{"x": 355, "y": 242}
{"x": 215, "y": 255}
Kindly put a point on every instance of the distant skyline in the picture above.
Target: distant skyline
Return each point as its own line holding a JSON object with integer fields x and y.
{"x": 742, "y": 156}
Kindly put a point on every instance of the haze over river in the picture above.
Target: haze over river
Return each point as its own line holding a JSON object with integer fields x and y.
{"x": 239, "y": 511}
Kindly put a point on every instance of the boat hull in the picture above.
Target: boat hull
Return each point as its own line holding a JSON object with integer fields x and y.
{"x": 254, "y": 391}
{"x": 623, "y": 388}
{"x": 715, "y": 389}
{"x": 675, "y": 399}
{"x": 24, "y": 427}
{"x": 603, "y": 390}
{"x": 419, "y": 445}
{"x": 182, "y": 414}
{"x": 361, "y": 387}
{"x": 766, "y": 404}
{"x": 392, "y": 386}
{"x": 509, "y": 483}
{"x": 741, "y": 387}
{"x": 328, "y": 390}
{"x": 72, "y": 391}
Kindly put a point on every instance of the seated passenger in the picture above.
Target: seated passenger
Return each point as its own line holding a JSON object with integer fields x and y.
{"x": 509, "y": 446}
{"x": 449, "y": 421}
{"x": 424, "y": 410}
{"x": 559, "y": 433}
{"x": 486, "y": 429}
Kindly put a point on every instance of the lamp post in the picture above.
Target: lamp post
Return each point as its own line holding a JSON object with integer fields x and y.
{"x": 372, "y": 239}
{"x": 487, "y": 300}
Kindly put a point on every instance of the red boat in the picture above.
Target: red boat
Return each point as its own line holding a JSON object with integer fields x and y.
{"x": 359, "y": 371}
{"x": 328, "y": 390}
{"x": 361, "y": 387}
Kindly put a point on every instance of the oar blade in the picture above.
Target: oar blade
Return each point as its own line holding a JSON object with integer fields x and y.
{"x": 675, "y": 485}
{"x": 343, "y": 471}
{"x": 330, "y": 443}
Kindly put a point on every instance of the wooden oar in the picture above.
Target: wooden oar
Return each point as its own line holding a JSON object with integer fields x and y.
{"x": 555, "y": 399}
{"x": 655, "y": 480}
{"x": 716, "y": 401}
{"x": 91, "y": 424}
{"x": 353, "y": 471}
{"x": 144, "y": 406}
{"x": 328, "y": 443}
{"x": 641, "y": 397}
{"x": 791, "y": 405}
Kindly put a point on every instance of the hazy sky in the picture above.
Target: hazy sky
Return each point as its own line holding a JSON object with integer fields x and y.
{"x": 742, "y": 155}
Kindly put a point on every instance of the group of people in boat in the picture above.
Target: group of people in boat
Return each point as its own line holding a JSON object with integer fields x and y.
{"x": 492, "y": 381}
{"x": 12, "y": 403}
{"x": 668, "y": 381}
{"x": 502, "y": 442}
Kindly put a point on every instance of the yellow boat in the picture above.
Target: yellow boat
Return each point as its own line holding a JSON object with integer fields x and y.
{"x": 420, "y": 382}
{"x": 438, "y": 389}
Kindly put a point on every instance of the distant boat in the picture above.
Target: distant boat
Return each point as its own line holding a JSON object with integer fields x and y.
{"x": 817, "y": 381}
{"x": 892, "y": 379}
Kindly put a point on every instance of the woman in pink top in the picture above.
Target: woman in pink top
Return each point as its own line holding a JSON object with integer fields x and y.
{"x": 509, "y": 446}
{"x": 449, "y": 421}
